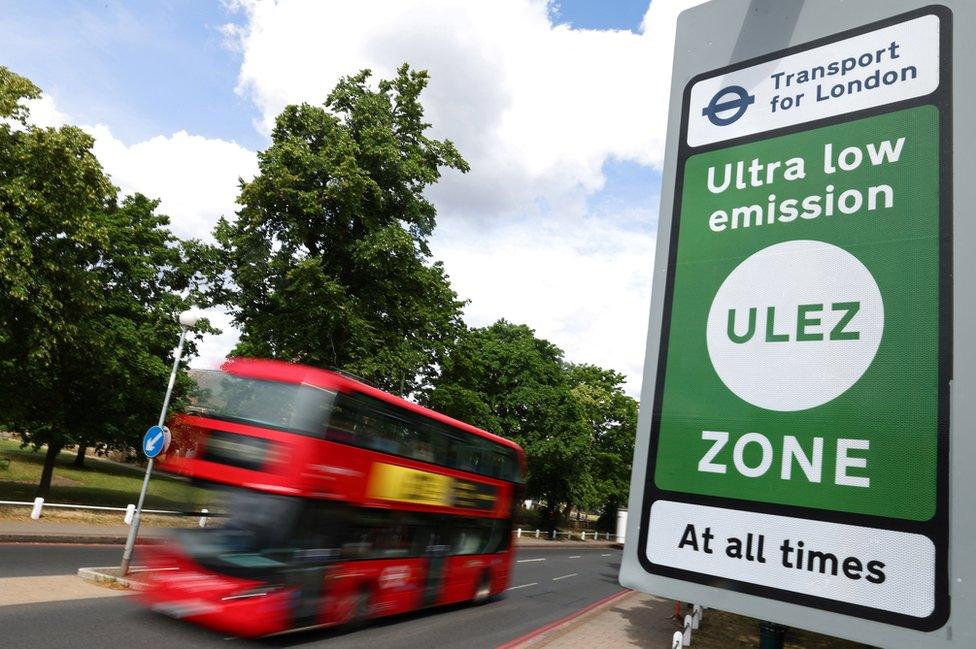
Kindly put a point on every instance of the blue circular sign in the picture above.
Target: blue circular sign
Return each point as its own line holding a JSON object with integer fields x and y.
{"x": 155, "y": 441}
{"x": 733, "y": 98}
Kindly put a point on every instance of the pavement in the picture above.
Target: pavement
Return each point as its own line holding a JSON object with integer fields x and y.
{"x": 50, "y": 588}
{"x": 627, "y": 619}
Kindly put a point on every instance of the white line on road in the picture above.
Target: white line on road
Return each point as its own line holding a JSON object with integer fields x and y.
{"x": 572, "y": 574}
{"x": 534, "y": 583}
{"x": 575, "y": 556}
{"x": 608, "y": 554}
{"x": 528, "y": 560}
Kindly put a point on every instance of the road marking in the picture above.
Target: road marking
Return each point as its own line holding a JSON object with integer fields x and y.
{"x": 528, "y": 560}
{"x": 608, "y": 554}
{"x": 534, "y": 583}
{"x": 572, "y": 574}
{"x": 575, "y": 556}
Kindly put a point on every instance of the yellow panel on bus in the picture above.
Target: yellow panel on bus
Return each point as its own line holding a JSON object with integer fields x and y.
{"x": 392, "y": 482}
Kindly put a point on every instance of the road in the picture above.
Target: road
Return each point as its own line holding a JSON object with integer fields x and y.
{"x": 548, "y": 584}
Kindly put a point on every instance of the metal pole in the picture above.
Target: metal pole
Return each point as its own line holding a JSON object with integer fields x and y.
{"x": 130, "y": 540}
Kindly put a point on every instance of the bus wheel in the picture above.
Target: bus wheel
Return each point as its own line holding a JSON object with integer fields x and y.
{"x": 360, "y": 611}
{"x": 483, "y": 592}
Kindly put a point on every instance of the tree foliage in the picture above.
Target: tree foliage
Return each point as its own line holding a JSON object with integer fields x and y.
{"x": 611, "y": 416}
{"x": 89, "y": 287}
{"x": 329, "y": 256}
{"x": 574, "y": 421}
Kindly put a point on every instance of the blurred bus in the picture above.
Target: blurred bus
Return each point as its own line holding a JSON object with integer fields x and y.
{"x": 342, "y": 503}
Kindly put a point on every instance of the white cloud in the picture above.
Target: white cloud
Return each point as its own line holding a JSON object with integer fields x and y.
{"x": 536, "y": 108}
{"x": 211, "y": 349}
{"x": 580, "y": 284}
{"x": 195, "y": 178}
{"x": 44, "y": 112}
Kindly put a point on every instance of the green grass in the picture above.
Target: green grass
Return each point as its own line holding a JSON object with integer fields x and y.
{"x": 98, "y": 483}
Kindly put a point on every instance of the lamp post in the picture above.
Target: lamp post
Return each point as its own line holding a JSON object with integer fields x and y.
{"x": 188, "y": 320}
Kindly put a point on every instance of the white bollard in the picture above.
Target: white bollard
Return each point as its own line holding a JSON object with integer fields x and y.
{"x": 676, "y": 640}
{"x": 696, "y": 616}
{"x": 537, "y": 534}
{"x": 621, "y": 525}
{"x": 38, "y": 506}
{"x": 686, "y": 638}
{"x": 518, "y": 533}
{"x": 203, "y": 519}
{"x": 130, "y": 511}
{"x": 582, "y": 536}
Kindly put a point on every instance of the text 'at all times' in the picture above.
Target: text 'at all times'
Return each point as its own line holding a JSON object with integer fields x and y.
{"x": 789, "y": 553}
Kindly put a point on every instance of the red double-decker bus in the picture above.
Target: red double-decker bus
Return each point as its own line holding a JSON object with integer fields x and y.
{"x": 342, "y": 503}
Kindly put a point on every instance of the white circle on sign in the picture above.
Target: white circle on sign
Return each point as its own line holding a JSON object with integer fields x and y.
{"x": 795, "y": 325}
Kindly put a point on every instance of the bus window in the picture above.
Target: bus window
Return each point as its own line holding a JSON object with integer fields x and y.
{"x": 363, "y": 421}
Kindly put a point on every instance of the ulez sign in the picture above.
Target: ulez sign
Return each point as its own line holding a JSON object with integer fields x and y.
{"x": 793, "y": 454}
{"x": 794, "y": 257}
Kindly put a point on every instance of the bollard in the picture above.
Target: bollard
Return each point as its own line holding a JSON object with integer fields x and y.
{"x": 582, "y": 536}
{"x": 537, "y": 534}
{"x": 38, "y": 506}
{"x": 771, "y": 635}
{"x": 686, "y": 637}
{"x": 130, "y": 511}
{"x": 203, "y": 519}
{"x": 696, "y": 616}
{"x": 518, "y": 533}
{"x": 676, "y": 640}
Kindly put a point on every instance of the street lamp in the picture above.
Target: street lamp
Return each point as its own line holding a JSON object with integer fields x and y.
{"x": 188, "y": 320}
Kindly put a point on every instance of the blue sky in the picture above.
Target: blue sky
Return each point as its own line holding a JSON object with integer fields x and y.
{"x": 568, "y": 120}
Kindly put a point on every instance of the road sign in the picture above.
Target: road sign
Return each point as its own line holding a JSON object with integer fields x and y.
{"x": 155, "y": 441}
{"x": 793, "y": 451}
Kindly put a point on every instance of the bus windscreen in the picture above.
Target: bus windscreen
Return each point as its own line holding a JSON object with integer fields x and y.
{"x": 284, "y": 406}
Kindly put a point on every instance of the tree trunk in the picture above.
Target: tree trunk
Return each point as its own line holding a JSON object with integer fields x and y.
{"x": 80, "y": 458}
{"x": 44, "y": 487}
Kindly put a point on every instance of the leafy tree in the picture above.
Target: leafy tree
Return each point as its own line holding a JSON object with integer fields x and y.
{"x": 612, "y": 417}
{"x": 89, "y": 289}
{"x": 328, "y": 257}
{"x": 506, "y": 380}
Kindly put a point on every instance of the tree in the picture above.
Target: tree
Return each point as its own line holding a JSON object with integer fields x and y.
{"x": 89, "y": 289}
{"x": 506, "y": 380}
{"x": 612, "y": 417}
{"x": 328, "y": 257}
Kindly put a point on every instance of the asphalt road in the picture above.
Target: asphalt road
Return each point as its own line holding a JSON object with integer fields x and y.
{"x": 548, "y": 584}
{"x": 30, "y": 560}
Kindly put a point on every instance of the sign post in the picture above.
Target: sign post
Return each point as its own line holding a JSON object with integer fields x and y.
{"x": 157, "y": 439}
{"x": 793, "y": 457}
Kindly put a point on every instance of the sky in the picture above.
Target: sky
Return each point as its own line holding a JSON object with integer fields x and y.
{"x": 560, "y": 108}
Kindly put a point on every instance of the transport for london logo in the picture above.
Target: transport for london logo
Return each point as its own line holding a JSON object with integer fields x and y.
{"x": 728, "y": 105}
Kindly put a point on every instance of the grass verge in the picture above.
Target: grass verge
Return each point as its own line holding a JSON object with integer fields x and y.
{"x": 100, "y": 482}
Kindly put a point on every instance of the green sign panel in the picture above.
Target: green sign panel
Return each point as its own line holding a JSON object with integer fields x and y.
{"x": 799, "y": 435}
{"x": 817, "y": 297}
